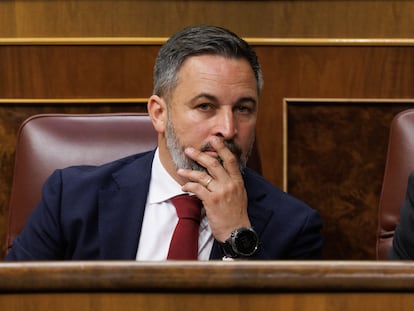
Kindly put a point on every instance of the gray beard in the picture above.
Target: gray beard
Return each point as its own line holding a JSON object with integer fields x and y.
{"x": 182, "y": 161}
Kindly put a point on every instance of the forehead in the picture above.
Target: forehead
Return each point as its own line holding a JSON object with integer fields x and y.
{"x": 216, "y": 71}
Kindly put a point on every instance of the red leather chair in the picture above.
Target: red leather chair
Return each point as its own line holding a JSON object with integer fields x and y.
{"x": 399, "y": 164}
{"x": 50, "y": 141}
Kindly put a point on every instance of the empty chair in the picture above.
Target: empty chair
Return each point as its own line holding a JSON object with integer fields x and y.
{"x": 399, "y": 164}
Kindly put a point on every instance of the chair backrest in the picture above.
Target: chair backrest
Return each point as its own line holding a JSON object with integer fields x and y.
{"x": 399, "y": 164}
{"x": 50, "y": 141}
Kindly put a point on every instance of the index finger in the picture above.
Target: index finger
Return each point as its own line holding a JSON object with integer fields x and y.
{"x": 229, "y": 159}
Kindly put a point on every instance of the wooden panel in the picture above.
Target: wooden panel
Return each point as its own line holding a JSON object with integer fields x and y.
{"x": 79, "y": 71}
{"x": 336, "y": 153}
{"x": 105, "y": 18}
{"x": 127, "y": 301}
{"x": 324, "y": 72}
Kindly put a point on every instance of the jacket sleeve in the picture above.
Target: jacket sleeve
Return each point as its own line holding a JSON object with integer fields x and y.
{"x": 41, "y": 236}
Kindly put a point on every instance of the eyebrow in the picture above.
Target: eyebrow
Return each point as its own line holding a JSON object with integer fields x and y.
{"x": 204, "y": 95}
{"x": 214, "y": 98}
{"x": 248, "y": 99}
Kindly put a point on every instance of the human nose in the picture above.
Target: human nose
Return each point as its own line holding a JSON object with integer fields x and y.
{"x": 226, "y": 125}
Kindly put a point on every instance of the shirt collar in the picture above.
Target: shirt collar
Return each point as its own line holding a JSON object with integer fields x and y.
{"x": 162, "y": 185}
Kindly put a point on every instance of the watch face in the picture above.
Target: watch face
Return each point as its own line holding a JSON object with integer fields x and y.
{"x": 246, "y": 242}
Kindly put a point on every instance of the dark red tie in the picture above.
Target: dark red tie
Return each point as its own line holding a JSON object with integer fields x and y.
{"x": 184, "y": 242}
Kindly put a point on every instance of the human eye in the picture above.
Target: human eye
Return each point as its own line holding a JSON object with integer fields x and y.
{"x": 204, "y": 106}
{"x": 246, "y": 106}
{"x": 205, "y": 102}
{"x": 245, "y": 109}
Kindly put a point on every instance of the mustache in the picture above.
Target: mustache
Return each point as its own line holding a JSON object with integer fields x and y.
{"x": 230, "y": 144}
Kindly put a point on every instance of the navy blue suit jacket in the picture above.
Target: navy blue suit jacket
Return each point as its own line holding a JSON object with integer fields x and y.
{"x": 96, "y": 212}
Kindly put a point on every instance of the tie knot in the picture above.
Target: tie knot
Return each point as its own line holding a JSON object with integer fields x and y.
{"x": 187, "y": 207}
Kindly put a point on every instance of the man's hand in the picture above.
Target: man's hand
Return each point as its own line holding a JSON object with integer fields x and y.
{"x": 221, "y": 189}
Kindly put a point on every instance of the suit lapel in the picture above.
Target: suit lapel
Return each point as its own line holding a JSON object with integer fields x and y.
{"x": 121, "y": 209}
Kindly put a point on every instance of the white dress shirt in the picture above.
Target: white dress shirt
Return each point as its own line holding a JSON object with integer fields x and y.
{"x": 160, "y": 218}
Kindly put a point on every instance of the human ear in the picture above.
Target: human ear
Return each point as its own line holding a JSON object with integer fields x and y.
{"x": 157, "y": 109}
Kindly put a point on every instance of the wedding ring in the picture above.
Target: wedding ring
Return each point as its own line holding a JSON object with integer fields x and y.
{"x": 208, "y": 182}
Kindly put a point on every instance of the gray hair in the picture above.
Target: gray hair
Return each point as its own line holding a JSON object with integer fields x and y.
{"x": 199, "y": 40}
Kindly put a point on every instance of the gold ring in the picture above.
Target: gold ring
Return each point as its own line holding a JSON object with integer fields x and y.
{"x": 208, "y": 181}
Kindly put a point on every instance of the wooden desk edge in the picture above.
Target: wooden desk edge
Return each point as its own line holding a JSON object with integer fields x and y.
{"x": 251, "y": 276}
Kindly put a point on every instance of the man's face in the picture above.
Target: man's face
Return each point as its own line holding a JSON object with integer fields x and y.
{"x": 215, "y": 96}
